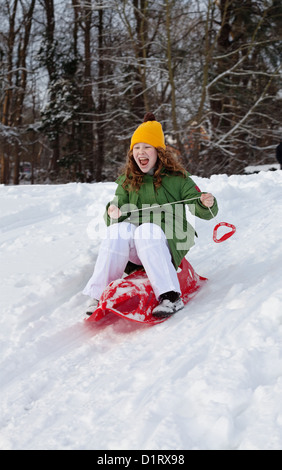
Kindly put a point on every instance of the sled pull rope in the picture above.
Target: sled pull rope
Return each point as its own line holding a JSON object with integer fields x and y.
{"x": 156, "y": 206}
{"x": 215, "y": 230}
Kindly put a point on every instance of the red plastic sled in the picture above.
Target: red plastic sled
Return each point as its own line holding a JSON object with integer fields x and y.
{"x": 133, "y": 297}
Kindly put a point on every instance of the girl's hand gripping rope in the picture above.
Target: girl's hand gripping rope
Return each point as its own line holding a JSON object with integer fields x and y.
{"x": 114, "y": 212}
{"x": 207, "y": 199}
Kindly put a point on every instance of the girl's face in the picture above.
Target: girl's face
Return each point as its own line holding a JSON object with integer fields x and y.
{"x": 145, "y": 156}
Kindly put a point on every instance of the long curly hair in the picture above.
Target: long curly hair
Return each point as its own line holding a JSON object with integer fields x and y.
{"x": 166, "y": 164}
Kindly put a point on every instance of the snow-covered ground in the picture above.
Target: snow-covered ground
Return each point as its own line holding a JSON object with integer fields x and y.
{"x": 208, "y": 378}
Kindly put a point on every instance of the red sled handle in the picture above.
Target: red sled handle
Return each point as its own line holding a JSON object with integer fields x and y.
{"x": 226, "y": 235}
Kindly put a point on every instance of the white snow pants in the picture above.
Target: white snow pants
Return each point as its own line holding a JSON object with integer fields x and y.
{"x": 145, "y": 245}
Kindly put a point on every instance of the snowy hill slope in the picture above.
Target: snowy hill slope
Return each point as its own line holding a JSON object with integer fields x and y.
{"x": 208, "y": 378}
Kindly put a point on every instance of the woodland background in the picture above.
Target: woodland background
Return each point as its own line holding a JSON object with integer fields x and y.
{"x": 77, "y": 76}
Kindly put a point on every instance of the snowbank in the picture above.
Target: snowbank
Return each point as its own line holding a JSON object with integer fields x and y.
{"x": 208, "y": 378}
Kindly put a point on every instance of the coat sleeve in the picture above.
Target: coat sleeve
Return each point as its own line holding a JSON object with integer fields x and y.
{"x": 190, "y": 191}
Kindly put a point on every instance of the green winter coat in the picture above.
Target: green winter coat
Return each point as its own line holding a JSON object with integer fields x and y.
{"x": 170, "y": 217}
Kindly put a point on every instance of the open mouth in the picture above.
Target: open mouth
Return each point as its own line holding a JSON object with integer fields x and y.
{"x": 143, "y": 162}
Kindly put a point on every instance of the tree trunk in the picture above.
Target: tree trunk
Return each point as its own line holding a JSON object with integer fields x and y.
{"x": 101, "y": 102}
{"x": 83, "y": 14}
{"x": 52, "y": 71}
{"x": 8, "y": 93}
{"x": 171, "y": 73}
{"x": 22, "y": 84}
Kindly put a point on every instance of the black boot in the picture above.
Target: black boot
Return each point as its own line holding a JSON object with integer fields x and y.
{"x": 170, "y": 303}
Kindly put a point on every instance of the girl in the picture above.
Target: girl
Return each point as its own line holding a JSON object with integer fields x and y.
{"x": 146, "y": 221}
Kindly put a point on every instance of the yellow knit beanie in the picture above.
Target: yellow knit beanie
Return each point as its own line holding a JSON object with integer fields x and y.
{"x": 150, "y": 132}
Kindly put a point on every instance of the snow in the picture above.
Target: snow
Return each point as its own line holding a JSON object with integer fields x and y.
{"x": 258, "y": 168}
{"x": 208, "y": 378}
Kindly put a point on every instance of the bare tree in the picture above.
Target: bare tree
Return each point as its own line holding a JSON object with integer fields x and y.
{"x": 48, "y": 55}
{"x": 8, "y": 87}
{"x": 209, "y": 70}
{"x": 84, "y": 16}
{"x": 101, "y": 108}
{"x": 239, "y": 81}
{"x": 21, "y": 79}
